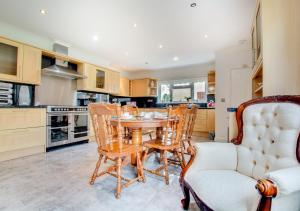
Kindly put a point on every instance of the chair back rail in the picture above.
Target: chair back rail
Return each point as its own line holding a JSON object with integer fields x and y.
{"x": 101, "y": 115}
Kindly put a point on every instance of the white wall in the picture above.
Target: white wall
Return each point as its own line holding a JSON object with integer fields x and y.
{"x": 185, "y": 72}
{"x": 24, "y": 36}
{"x": 236, "y": 57}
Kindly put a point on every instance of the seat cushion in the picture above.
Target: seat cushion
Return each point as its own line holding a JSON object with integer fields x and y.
{"x": 224, "y": 190}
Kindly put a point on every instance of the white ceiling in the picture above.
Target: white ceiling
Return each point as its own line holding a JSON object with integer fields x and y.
{"x": 180, "y": 28}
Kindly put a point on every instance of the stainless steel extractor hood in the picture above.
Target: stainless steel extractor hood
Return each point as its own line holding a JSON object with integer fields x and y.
{"x": 61, "y": 67}
{"x": 61, "y": 71}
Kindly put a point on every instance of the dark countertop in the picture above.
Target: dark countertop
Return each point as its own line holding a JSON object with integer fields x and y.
{"x": 166, "y": 107}
{"x": 21, "y": 107}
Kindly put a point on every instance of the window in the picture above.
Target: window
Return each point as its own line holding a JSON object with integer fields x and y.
{"x": 165, "y": 95}
{"x": 183, "y": 91}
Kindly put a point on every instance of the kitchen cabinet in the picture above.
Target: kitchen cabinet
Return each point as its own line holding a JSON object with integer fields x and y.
{"x": 19, "y": 63}
{"x": 205, "y": 122}
{"x": 31, "y": 70}
{"x": 95, "y": 78}
{"x": 113, "y": 82}
{"x": 22, "y": 132}
{"x": 98, "y": 79}
{"x": 11, "y": 59}
{"x": 124, "y": 87}
{"x": 146, "y": 87}
{"x": 257, "y": 57}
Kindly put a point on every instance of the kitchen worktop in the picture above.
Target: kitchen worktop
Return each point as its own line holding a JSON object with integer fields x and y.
{"x": 21, "y": 107}
{"x": 166, "y": 108}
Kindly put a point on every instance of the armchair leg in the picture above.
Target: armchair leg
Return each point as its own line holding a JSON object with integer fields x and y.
{"x": 186, "y": 201}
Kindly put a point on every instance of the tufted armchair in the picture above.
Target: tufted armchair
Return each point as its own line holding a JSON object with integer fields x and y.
{"x": 259, "y": 170}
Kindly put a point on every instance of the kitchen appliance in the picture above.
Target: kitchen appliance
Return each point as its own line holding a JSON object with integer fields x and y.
{"x": 66, "y": 125}
{"x": 84, "y": 98}
{"x": 58, "y": 67}
{"x": 24, "y": 95}
{"x": 6, "y": 94}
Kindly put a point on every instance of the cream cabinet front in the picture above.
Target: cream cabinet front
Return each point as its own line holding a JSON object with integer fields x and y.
{"x": 11, "y": 59}
{"x": 22, "y": 132}
{"x": 113, "y": 82}
{"x": 31, "y": 71}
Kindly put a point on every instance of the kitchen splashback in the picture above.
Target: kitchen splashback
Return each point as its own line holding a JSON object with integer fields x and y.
{"x": 55, "y": 91}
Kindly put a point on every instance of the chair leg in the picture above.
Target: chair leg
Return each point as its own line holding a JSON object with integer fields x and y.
{"x": 164, "y": 155}
{"x": 94, "y": 176}
{"x": 140, "y": 168}
{"x": 186, "y": 201}
{"x": 119, "y": 184}
{"x": 180, "y": 156}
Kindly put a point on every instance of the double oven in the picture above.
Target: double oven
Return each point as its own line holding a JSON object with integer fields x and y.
{"x": 66, "y": 125}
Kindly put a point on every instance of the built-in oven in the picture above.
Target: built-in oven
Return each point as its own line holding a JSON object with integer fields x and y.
{"x": 80, "y": 127}
{"x": 66, "y": 125}
{"x": 58, "y": 129}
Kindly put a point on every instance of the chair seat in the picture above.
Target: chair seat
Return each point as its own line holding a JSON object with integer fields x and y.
{"x": 224, "y": 190}
{"x": 162, "y": 145}
{"x": 117, "y": 150}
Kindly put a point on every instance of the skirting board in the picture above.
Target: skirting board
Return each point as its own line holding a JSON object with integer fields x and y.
{"x": 9, "y": 155}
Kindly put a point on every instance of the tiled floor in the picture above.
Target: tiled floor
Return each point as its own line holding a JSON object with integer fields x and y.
{"x": 58, "y": 180}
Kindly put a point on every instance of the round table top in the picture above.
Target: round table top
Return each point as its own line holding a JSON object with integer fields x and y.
{"x": 141, "y": 123}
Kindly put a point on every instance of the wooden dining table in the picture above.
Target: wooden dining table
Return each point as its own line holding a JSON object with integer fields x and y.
{"x": 137, "y": 125}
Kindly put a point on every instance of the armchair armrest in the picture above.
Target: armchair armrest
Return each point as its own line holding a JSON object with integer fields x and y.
{"x": 287, "y": 180}
{"x": 211, "y": 156}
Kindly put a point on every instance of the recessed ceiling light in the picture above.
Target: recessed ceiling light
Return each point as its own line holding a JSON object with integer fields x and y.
{"x": 175, "y": 58}
{"x": 193, "y": 4}
{"x": 95, "y": 37}
{"x": 160, "y": 46}
{"x": 43, "y": 11}
{"x": 205, "y": 36}
{"x": 134, "y": 25}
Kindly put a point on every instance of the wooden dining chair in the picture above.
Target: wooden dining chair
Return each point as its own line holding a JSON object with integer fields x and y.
{"x": 169, "y": 142}
{"x": 134, "y": 110}
{"x": 188, "y": 129}
{"x": 189, "y": 126}
{"x": 111, "y": 144}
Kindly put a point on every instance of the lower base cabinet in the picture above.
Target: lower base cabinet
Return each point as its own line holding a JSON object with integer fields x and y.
{"x": 23, "y": 136}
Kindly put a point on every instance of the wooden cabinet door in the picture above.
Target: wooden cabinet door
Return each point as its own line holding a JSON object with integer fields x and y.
{"x": 22, "y": 138}
{"x": 11, "y": 60}
{"x": 124, "y": 86}
{"x": 116, "y": 83}
{"x": 31, "y": 65}
{"x": 201, "y": 121}
{"x": 210, "y": 120}
{"x": 139, "y": 88}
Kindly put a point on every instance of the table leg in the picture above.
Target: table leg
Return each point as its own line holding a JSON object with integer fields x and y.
{"x": 137, "y": 137}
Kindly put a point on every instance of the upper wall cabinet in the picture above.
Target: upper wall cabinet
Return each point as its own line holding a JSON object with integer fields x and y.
{"x": 124, "y": 87}
{"x": 98, "y": 80}
{"x": 113, "y": 82}
{"x": 31, "y": 70}
{"x": 95, "y": 79}
{"x": 19, "y": 63}
{"x": 11, "y": 59}
{"x": 143, "y": 87}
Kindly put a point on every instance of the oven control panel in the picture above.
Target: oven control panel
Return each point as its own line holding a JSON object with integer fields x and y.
{"x": 66, "y": 109}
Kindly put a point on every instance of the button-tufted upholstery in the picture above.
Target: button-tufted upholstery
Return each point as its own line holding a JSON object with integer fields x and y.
{"x": 270, "y": 134}
{"x": 223, "y": 175}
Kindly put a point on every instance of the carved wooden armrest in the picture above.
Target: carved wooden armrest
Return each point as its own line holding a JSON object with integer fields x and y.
{"x": 192, "y": 151}
{"x": 268, "y": 190}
